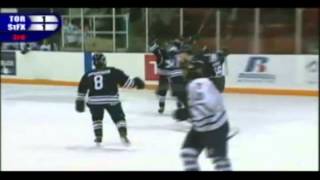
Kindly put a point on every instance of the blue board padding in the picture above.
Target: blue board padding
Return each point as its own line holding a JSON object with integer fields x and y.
{"x": 87, "y": 61}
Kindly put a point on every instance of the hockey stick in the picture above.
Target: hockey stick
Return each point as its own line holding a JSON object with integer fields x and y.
{"x": 204, "y": 21}
{"x": 202, "y": 25}
{"x": 234, "y": 133}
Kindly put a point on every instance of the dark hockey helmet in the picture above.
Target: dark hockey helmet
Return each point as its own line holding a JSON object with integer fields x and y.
{"x": 99, "y": 60}
{"x": 224, "y": 52}
{"x": 194, "y": 70}
{"x": 205, "y": 50}
{"x": 177, "y": 42}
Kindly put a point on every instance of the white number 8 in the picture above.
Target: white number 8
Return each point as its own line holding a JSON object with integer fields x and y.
{"x": 98, "y": 82}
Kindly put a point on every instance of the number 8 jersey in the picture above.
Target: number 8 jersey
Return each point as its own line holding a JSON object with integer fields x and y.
{"x": 205, "y": 105}
{"x": 103, "y": 85}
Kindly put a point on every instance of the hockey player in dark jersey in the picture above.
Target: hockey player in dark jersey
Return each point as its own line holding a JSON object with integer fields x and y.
{"x": 163, "y": 83}
{"x": 170, "y": 74}
{"x": 205, "y": 57}
{"x": 213, "y": 66}
{"x": 101, "y": 84}
{"x": 176, "y": 78}
{"x": 218, "y": 61}
{"x": 206, "y": 112}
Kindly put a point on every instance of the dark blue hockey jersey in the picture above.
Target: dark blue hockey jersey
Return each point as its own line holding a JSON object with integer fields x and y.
{"x": 103, "y": 85}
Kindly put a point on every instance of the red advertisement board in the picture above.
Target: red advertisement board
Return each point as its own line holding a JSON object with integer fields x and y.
{"x": 150, "y": 67}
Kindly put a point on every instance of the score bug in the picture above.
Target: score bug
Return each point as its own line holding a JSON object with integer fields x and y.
{"x": 28, "y": 27}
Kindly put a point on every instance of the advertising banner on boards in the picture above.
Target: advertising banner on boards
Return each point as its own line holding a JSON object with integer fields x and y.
{"x": 8, "y": 63}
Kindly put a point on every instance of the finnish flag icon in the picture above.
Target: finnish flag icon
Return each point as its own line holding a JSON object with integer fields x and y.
{"x": 43, "y": 27}
{"x": 43, "y": 23}
{"x": 43, "y": 19}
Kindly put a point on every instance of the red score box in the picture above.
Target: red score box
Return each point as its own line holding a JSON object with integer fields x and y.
{"x": 150, "y": 66}
{"x": 19, "y": 37}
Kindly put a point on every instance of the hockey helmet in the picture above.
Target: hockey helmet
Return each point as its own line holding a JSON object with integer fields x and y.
{"x": 194, "y": 70}
{"x": 99, "y": 60}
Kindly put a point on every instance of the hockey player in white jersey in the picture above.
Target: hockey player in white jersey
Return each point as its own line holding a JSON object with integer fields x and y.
{"x": 206, "y": 112}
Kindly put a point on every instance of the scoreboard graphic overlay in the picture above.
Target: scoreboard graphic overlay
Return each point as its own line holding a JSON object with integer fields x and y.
{"x": 15, "y": 27}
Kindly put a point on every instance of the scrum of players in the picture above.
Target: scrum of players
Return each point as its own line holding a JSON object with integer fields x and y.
{"x": 196, "y": 80}
{"x": 172, "y": 61}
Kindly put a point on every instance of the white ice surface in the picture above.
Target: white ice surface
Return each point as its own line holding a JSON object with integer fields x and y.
{"x": 40, "y": 130}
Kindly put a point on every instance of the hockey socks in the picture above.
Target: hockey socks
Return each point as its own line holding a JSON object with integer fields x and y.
{"x": 97, "y": 126}
{"x": 122, "y": 129}
{"x": 222, "y": 164}
{"x": 190, "y": 159}
{"x": 161, "y": 104}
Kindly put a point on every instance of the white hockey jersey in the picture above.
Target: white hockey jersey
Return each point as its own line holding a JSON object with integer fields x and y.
{"x": 205, "y": 105}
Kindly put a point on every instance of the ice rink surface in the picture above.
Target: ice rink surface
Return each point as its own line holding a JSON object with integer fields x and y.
{"x": 41, "y": 131}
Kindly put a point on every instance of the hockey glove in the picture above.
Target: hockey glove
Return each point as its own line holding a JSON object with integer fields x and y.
{"x": 139, "y": 84}
{"x": 181, "y": 114}
{"x": 80, "y": 105}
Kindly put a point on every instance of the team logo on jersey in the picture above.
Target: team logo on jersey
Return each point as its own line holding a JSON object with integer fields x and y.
{"x": 257, "y": 70}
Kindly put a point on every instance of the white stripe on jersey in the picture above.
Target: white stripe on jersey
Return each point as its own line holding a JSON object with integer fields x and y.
{"x": 107, "y": 99}
{"x": 103, "y": 99}
{"x": 162, "y": 71}
{"x": 210, "y": 127}
{"x": 173, "y": 72}
{"x": 81, "y": 96}
{"x": 200, "y": 110}
{"x": 99, "y": 73}
{"x": 103, "y": 103}
{"x": 210, "y": 123}
{"x": 168, "y": 71}
{"x": 105, "y": 96}
{"x": 209, "y": 119}
{"x": 128, "y": 84}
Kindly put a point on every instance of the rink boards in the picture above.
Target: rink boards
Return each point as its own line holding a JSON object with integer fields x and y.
{"x": 245, "y": 73}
